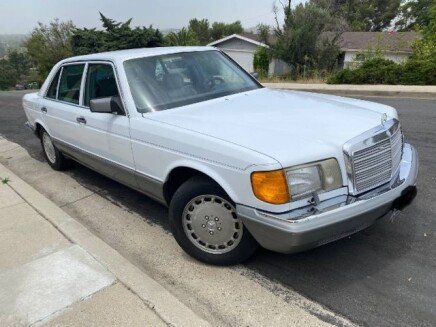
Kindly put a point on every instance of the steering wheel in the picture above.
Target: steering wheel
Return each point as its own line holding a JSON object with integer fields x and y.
{"x": 215, "y": 80}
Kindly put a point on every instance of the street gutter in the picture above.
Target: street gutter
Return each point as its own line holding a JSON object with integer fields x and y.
{"x": 169, "y": 308}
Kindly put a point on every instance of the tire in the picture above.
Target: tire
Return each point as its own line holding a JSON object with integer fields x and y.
{"x": 54, "y": 157}
{"x": 204, "y": 223}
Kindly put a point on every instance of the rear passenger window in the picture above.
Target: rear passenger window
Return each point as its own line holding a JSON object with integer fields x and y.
{"x": 100, "y": 83}
{"x": 69, "y": 85}
{"x": 51, "y": 93}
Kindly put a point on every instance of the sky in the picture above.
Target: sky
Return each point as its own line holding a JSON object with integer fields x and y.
{"x": 21, "y": 16}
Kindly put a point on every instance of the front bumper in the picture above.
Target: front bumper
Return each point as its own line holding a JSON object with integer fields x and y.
{"x": 332, "y": 219}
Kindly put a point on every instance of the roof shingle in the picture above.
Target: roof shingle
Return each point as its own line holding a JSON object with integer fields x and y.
{"x": 387, "y": 41}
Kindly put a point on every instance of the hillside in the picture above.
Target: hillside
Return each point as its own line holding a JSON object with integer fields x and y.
{"x": 10, "y": 41}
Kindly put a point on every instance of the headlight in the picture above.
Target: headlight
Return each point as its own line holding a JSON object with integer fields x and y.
{"x": 318, "y": 177}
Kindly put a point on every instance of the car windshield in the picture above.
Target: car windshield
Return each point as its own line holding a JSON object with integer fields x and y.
{"x": 173, "y": 80}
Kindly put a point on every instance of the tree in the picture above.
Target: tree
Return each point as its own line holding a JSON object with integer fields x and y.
{"x": 204, "y": 33}
{"x": 85, "y": 41}
{"x": 8, "y": 77}
{"x": 368, "y": 15}
{"x": 424, "y": 49}
{"x": 20, "y": 63}
{"x": 220, "y": 30}
{"x": 414, "y": 15}
{"x": 263, "y": 31}
{"x": 308, "y": 37}
{"x": 115, "y": 36}
{"x": 430, "y": 30}
{"x": 183, "y": 37}
{"x": 420, "y": 68}
{"x": 49, "y": 44}
{"x": 201, "y": 30}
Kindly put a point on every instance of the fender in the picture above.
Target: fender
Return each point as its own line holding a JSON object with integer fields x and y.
{"x": 39, "y": 122}
{"x": 206, "y": 169}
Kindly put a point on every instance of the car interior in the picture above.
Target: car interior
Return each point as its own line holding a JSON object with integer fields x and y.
{"x": 69, "y": 88}
{"x": 100, "y": 83}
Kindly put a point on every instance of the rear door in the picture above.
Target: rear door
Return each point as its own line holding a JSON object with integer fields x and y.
{"x": 61, "y": 104}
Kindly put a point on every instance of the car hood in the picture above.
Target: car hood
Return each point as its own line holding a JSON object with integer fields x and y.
{"x": 289, "y": 126}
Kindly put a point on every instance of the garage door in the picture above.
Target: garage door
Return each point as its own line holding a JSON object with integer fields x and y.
{"x": 244, "y": 59}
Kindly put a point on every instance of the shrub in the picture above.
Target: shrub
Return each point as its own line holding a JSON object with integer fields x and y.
{"x": 261, "y": 61}
{"x": 345, "y": 76}
{"x": 419, "y": 72}
{"x": 383, "y": 71}
{"x": 378, "y": 71}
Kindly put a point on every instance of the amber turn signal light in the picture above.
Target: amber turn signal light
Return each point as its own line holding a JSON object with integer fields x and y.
{"x": 270, "y": 186}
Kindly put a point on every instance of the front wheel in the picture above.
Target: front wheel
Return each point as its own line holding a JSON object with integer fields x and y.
{"x": 204, "y": 223}
{"x": 54, "y": 157}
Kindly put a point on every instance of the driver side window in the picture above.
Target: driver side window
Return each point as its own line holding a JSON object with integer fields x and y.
{"x": 100, "y": 83}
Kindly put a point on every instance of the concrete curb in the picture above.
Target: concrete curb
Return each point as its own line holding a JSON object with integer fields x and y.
{"x": 399, "y": 91}
{"x": 167, "y": 306}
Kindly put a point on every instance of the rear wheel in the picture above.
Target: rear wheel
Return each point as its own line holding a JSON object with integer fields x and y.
{"x": 53, "y": 156}
{"x": 204, "y": 223}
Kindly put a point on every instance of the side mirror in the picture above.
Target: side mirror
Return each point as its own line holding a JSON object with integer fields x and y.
{"x": 111, "y": 105}
{"x": 255, "y": 75}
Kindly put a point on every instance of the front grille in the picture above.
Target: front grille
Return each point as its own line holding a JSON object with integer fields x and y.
{"x": 376, "y": 164}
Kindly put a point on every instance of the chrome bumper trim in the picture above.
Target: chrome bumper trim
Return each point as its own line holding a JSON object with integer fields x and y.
{"x": 331, "y": 219}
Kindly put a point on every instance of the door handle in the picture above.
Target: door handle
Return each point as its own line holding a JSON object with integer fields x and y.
{"x": 81, "y": 120}
{"x": 44, "y": 110}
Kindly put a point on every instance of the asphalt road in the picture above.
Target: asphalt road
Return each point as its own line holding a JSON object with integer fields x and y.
{"x": 383, "y": 276}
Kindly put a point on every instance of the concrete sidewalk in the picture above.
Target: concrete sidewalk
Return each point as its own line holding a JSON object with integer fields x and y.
{"x": 405, "y": 91}
{"x": 54, "y": 272}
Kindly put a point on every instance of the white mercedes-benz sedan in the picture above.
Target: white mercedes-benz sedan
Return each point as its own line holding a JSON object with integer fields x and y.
{"x": 239, "y": 165}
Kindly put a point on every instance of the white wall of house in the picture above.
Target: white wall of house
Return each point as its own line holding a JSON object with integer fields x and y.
{"x": 243, "y": 58}
{"x": 350, "y": 60}
{"x": 240, "y": 51}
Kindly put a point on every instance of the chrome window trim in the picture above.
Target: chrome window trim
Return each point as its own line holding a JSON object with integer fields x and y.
{"x": 82, "y": 85}
{"x": 59, "y": 80}
{"x": 120, "y": 92}
{"x": 66, "y": 102}
{"x": 362, "y": 141}
{"x": 86, "y": 62}
{"x": 57, "y": 84}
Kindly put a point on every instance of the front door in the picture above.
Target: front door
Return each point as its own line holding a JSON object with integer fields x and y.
{"x": 105, "y": 135}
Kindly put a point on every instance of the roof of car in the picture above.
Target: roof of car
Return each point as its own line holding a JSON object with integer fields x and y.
{"x": 122, "y": 55}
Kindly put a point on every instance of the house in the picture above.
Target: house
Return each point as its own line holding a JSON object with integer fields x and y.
{"x": 357, "y": 46}
{"x": 241, "y": 48}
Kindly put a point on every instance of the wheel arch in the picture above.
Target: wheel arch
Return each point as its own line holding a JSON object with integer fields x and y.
{"x": 39, "y": 126}
{"x": 179, "y": 174}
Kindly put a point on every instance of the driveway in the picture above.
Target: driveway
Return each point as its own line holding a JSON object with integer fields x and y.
{"x": 383, "y": 276}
